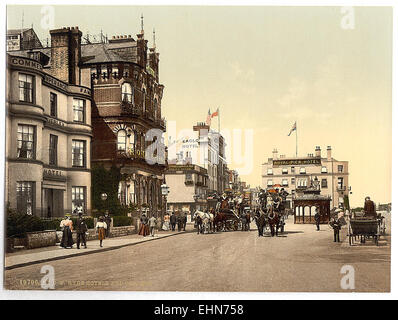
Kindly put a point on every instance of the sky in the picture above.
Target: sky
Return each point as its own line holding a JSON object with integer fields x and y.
{"x": 328, "y": 68}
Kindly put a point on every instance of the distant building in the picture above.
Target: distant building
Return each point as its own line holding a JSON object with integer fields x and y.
{"x": 188, "y": 185}
{"x": 22, "y": 39}
{"x": 295, "y": 174}
{"x": 206, "y": 148}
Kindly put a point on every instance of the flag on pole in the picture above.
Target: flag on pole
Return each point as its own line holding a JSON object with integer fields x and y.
{"x": 208, "y": 120}
{"x": 214, "y": 114}
{"x": 292, "y": 129}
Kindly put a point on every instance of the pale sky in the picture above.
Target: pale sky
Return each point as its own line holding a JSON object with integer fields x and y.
{"x": 266, "y": 67}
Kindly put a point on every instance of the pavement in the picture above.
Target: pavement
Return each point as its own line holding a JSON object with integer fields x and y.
{"x": 22, "y": 258}
{"x": 299, "y": 260}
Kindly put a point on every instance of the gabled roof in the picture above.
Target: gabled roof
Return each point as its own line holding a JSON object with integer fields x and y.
{"x": 16, "y": 31}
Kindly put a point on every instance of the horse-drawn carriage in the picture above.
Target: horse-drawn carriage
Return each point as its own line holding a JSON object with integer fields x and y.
{"x": 271, "y": 213}
{"x": 364, "y": 227}
{"x": 230, "y": 214}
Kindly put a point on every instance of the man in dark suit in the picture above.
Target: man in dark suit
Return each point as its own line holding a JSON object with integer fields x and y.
{"x": 369, "y": 208}
{"x": 173, "y": 221}
{"x": 107, "y": 220}
{"x": 81, "y": 230}
{"x": 184, "y": 221}
{"x": 317, "y": 218}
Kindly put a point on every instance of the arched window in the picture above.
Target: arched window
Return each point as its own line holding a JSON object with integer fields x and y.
{"x": 121, "y": 140}
{"x": 127, "y": 92}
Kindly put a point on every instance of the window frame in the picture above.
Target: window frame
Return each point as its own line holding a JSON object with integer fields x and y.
{"x": 53, "y": 104}
{"x": 84, "y": 153}
{"x": 31, "y": 89}
{"x": 73, "y": 195}
{"x": 20, "y": 186}
{"x": 125, "y": 140}
{"x": 83, "y": 110}
{"x": 33, "y": 141}
{"x": 53, "y": 152}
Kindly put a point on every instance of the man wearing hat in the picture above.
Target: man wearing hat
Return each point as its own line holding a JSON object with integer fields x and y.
{"x": 369, "y": 208}
{"x": 81, "y": 229}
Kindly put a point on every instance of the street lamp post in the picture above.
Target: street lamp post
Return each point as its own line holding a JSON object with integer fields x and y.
{"x": 104, "y": 196}
{"x": 165, "y": 191}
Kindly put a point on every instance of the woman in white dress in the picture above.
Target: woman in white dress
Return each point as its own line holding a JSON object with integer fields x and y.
{"x": 100, "y": 228}
{"x": 166, "y": 223}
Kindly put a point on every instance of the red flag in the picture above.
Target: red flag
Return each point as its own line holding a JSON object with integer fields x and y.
{"x": 208, "y": 120}
{"x": 214, "y": 114}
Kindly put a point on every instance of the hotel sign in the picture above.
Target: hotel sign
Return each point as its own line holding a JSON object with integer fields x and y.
{"x": 23, "y": 62}
{"x": 53, "y": 174}
{"x": 297, "y": 162}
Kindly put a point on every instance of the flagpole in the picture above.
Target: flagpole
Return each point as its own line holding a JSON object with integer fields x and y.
{"x": 296, "y": 139}
{"x": 218, "y": 119}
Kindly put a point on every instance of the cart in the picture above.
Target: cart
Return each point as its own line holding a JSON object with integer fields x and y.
{"x": 363, "y": 228}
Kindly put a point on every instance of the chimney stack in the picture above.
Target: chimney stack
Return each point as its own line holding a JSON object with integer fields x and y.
{"x": 318, "y": 151}
{"x": 66, "y": 54}
{"x": 329, "y": 150}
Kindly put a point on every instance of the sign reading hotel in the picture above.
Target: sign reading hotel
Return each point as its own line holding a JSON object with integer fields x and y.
{"x": 297, "y": 162}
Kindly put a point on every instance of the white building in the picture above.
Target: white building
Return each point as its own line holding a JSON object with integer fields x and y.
{"x": 295, "y": 174}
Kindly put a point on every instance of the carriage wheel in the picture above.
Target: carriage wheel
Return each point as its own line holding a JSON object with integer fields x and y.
{"x": 236, "y": 225}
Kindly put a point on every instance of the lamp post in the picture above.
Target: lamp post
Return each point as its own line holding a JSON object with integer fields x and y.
{"x": 104, "y": 196}
{"x": 165, "y": 191}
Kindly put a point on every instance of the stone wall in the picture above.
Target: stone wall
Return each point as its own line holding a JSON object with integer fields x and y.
{"x": 40, "y": 239}
{"x": 49, "y": 238}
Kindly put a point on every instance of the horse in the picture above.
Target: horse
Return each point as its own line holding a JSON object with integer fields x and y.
{"x": 207, "y": 220}
{"x": 261, "y": 221}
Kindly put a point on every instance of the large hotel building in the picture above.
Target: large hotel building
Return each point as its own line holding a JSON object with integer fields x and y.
{"x": 48, "y": 126}
{"x": 295, "y": 174}
{"x": 71, "y": 106}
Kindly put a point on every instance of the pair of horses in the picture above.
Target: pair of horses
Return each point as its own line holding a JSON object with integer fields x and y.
{"x": 271, "y": 218}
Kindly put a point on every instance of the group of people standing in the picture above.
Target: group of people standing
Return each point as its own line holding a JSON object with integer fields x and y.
{"x": 102, "y": 228}
{"x": 149, "y": 225}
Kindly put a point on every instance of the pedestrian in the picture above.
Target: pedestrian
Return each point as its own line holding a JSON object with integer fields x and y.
{"x": 100, "y": 228}
{"x": 81, "y": 229}
{"x": 184, "y": 221}
{"x": 108, "y": 221}
{"x": 335, "y": 224}
{"x": 144, "y": 229}
{"x": 166, "y": 223}
{"x": 173, "y": 221}
{"x": 67, "y": 228}
{"x": 152, "y": 225}
{"x": 317, "y": 218}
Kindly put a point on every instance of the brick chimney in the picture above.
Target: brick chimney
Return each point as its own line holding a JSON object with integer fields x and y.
{"x": 329, "y": 150}
{"x": 66, "y": 54}
{"x": 318, "y": 151}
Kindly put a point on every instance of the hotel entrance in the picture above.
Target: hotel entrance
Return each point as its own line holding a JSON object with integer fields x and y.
{"x": 53, "y": 203}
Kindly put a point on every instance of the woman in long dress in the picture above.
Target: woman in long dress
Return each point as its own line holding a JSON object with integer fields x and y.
{"x": 166, "y": 223}
{"x": 67, "y": 228}
{"x": 144, "y": 228}
{"x": 100, "y": 228}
